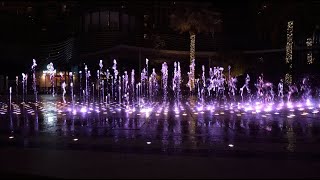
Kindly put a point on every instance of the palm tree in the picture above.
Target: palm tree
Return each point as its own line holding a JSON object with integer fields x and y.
{"x": 194, "y": 19}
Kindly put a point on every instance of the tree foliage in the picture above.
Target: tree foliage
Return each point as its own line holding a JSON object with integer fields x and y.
{"x": 195, "y": 20}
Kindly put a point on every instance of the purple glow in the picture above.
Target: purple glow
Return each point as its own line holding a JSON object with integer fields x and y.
{"x": 83, "y": 110}
{"x": 146, "y": 110}
{"x": 308, "y": 103}
{"x": 289, "y": 105}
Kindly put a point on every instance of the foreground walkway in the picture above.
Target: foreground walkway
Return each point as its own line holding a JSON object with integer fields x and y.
{"x": 93, "y": 164}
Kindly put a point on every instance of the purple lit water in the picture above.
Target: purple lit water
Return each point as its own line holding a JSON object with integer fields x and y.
{"x": 163, "y": 127}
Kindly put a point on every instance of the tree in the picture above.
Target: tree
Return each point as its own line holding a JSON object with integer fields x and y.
{"x": 157, "y": 42}
{"x": 194, "y": 19}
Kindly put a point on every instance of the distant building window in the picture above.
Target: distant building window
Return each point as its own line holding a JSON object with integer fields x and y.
{"x": 145, "y": 36}
{"x": 86, "y": 21}
{"x": 64, "y": 8}
{"x": 114, "y": 20}
{"x": 29, "y": 9}
{"x": 104, "y": 20}
{"x": 146, "y": 17}
{"x": 132, "y": 23}
{"x": 125, "y": 22}
{"x": 95, "y": 21}
{"x": 123, "y": 5}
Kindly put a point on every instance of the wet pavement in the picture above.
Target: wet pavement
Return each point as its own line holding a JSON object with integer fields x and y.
{"x": 180, "y": 128}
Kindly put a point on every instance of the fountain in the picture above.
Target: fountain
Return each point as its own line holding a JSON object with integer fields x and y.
{"x": 108, "y": 76}
{"x": 176, "y": 81}
{"x": 24, "y": 84}
{"x": 246, "y": 85}
{"x": 71, "y": 86}
{"x": 101, "y": 82}
{"x": 115, "y": 85}
{"x": 280, "y": 90}
{"x": 153, "y": 85}
{"x": 87, "y": 82}
{"x": 72, "y": 96}
{"x": 64, "y": 91}
{"x": 80, "y": 85}
{"x": 34, "y": 84}
{"x": 17, "y": 85}
{"x": 232, "y": 86}
{"x": 164, "y": 71}
{"x": 123, "y": 91}
{"x": 132, "y": 91}
{"x": 51, "y": 71}
{"x": 10, "y": 92}
{"x": 191, "y": 83}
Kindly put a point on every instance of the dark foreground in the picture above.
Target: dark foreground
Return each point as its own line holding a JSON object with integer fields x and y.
{"x": 38, "y": 163}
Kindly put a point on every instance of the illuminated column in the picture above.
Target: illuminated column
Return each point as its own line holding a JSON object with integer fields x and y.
{"x": 288, "y": 76}
{"x": 192, "y": 46}
{"x": 192, "y": 58}
{"x": 310, "y": 60}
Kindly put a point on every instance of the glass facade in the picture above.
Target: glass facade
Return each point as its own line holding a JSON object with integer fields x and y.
{"x": 107, "y": 21}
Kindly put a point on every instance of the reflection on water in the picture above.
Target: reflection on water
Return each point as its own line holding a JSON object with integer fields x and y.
{"x": 178, "y": 125}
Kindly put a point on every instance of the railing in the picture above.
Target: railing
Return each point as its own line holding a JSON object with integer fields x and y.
{"x": 99, "y": 41}
{"x": 60, "y": 53}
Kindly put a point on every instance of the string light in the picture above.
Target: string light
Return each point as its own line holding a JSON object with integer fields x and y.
{"x": 192, "y": 46}
{"x": 309, "y": 54}
{"x": 289, "y": 42}
{"x": 288, "y": 76}
{"x": 192, "y": 60}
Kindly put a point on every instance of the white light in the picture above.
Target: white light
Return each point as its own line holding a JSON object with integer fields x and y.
{"x": 48, "y": 72}
{"x": 146, "y": 110}
{"x": 50, "y": 119}
{"x": 308, "y": 103}
{"x": 148, "y": 142}
{"x": 11, "y": 137}
{"x": 75, "y": 139}
{"x": 230, "y": 145}
{"x": 83, "y": 110}
{"x": 291, "y": 116}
